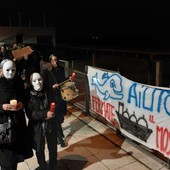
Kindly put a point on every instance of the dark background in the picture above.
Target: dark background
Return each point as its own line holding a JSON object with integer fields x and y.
{"x": 99, "y": 22}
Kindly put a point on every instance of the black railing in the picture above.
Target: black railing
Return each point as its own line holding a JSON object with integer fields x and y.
{"x": 144, "y": 66}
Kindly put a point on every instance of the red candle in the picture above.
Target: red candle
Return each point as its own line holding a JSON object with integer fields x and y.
{"x": 52, "y": 107}
{"x": 73, "y": 75}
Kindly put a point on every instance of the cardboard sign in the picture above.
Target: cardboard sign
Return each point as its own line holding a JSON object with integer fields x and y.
{"x": 21, "y": 52}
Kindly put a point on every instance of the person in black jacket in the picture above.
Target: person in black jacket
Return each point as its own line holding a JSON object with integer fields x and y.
{"x": 53, "y": 76}
{"x": 41, "y": 122}
{"x": 12, "y": 88}
{"x": 29, "y": 64}
{"x": 4, "y": 53}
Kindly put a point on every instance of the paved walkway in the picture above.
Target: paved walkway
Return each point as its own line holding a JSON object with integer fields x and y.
{"x": 90, "y": 145}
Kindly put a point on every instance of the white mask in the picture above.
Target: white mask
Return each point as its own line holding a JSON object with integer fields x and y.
{"x": 9, "y": 69}
{"x": 37, "y": 81}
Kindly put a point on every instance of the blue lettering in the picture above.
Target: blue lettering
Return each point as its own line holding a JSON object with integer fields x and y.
{"x": 165, "y": 104}
{"x": 145, "y": 101}
{"x": 132, "y": 94}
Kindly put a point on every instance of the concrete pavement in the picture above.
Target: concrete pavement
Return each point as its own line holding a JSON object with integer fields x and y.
{"x": 91, "y": 145}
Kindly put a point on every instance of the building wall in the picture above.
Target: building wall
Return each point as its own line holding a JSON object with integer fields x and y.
{"x": 10, "y": 35}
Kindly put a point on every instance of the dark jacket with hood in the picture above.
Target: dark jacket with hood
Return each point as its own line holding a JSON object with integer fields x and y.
{"x": 36, "y": 109}
{"x": 20, "y": 149}
{"x": 56, "y": 75}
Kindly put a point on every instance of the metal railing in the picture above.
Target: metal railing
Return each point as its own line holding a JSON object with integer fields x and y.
{"x": 82, "y": 102}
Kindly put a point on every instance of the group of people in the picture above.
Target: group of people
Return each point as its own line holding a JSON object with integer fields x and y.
{"x": 33, "y": 101}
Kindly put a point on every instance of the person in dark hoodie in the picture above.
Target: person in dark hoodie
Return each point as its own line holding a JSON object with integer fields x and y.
{"x": 53, "y": 76}
{"x": 4, "y": 53}
{"x": 41, "y": 122}
{"x": 12, "y": 89}
{"x": 29, "y": 64}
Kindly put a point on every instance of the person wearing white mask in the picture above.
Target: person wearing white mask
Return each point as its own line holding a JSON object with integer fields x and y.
{"x": 12, "y": 89}
{"x": 40, "y": 122}
{"x": 37, "y": 81}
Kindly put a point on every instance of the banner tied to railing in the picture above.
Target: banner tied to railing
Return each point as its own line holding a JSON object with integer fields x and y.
{"x": 139, "y": 111}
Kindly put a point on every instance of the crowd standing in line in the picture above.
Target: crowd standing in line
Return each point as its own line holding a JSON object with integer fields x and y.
{"x": 12, "y": 88}
{"x": 41, "y": 89}
{"x": 41, "y": 124}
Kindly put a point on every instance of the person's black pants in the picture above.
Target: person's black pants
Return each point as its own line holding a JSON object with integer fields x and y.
{"x": 60, "y": 134}
{"x": 52, "y": 148}
{"x": 40, "y": 154}
{"x": 7, "y": 168}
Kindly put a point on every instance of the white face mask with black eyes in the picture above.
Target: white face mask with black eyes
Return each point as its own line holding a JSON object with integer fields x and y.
{"x": 37, "y": 81}
{"x": 9, "y": 69}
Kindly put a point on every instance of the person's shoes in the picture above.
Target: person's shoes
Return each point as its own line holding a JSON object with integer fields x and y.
{"x": 43, "y": 167}
{"x": 59, "y": 141}
{"x": 62, "y": 144}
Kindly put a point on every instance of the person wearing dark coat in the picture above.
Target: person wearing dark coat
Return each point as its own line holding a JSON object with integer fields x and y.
{"x": 32, "y": 64}
{"x": 4, "y": 53}
{"x": 29, "y": 64}
{"x": 12, "y": 87}
{"x": 53, "y": 76}
{"x": 41, "y": 123}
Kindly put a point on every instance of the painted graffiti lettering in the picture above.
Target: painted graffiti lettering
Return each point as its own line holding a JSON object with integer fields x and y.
{"x": 103, "y": 108}
{"x": 149, "y": 98}
{"x": 151, "y": 119}
{"x": 163, "y": 140}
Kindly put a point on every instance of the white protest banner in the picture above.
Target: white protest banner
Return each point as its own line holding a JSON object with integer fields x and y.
{"x": 140, "y": 111}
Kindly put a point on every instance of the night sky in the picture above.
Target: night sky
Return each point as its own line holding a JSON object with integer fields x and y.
{"x": 105, "y": 22}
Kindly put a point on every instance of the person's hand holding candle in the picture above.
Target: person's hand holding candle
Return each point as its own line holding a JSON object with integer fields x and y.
{"x": 13, "y": 105}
